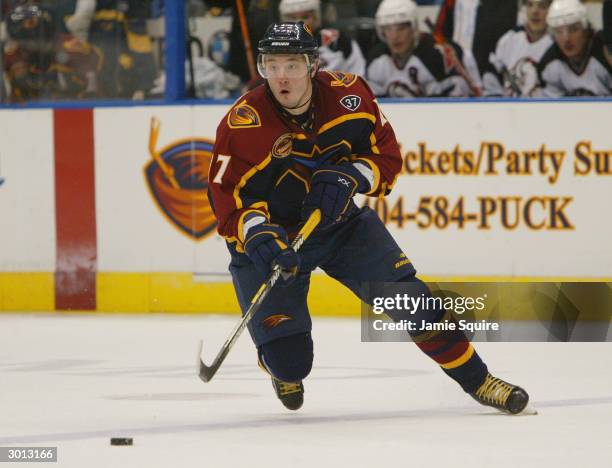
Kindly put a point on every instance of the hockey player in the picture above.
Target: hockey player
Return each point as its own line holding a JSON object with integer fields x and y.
{"x": 41, "y": 64}
{"x": 512, "y": 69}
{"x": 304, "y": 140}
{"x": 412, "y": 64}
{"x": 477, "y": 25}
{"x": 337, "y": 51}
{"x": 575, "y": 65}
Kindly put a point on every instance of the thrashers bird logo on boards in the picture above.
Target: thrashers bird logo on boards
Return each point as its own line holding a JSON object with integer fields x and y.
{"x": 177, "y": 178}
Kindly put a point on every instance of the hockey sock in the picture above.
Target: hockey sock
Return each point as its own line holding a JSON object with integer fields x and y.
{"x": 455, "y": 354}
{"x": 450, "y": 348}
{"x": 288, "y": 359}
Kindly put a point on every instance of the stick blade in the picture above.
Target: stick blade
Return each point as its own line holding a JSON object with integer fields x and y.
{"x": 204, "y": 372}
{"x": 528, "y": 411}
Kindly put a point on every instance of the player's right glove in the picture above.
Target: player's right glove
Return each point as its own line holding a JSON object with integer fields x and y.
{"x": 332, "y": 188}
{"x": 267, "y": 245}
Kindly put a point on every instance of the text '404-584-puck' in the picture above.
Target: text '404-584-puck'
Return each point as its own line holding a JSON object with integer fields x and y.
{"x": 121, "y": 441}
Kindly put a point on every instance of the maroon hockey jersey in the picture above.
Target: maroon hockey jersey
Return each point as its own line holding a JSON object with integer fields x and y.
{"x": 263, "y": 159}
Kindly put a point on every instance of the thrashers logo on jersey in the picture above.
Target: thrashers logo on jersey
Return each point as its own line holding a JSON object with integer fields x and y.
{"x": 351, "y": 102}
{"x": 177, "y": 178}
{"x": 275, "y": 320}
{"x": 342, "y": 79}
{"x": 243, "y": 116}
{"x": 283, "y": 146}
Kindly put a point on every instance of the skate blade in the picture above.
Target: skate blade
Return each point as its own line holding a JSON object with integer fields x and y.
{"x": 527, "y": 411}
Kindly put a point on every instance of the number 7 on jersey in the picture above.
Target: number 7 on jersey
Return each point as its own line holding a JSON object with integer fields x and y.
{"x": 224, "y": 160}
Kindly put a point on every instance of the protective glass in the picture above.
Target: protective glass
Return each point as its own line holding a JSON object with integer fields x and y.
{"x": 392, "y": 29}
{"x": 568, "y": 30}
{"x": 283, "y": 66}
{"x": 542, "y": 4}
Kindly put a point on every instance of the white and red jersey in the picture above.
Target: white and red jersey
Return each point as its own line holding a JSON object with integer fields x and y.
{"x": 428, "y": 72}
{"x": 559, "y": 77}
{"x": 338, "y": 52}
{"x": 512, "y": 68}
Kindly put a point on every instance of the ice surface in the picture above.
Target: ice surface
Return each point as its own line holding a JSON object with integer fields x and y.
{"x": 74, "y": 381}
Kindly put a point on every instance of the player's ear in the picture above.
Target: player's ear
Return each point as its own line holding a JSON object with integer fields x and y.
{"x": 315, "y": 68}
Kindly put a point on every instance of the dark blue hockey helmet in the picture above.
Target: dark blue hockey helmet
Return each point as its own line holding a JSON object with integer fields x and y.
{"x": 289, "y": 38}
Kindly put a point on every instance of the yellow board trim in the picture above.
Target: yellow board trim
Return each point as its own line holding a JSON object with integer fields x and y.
{"x": 177, "y": 292}
{"x": 27, "y": 291}
{"x": 163, "y": 293}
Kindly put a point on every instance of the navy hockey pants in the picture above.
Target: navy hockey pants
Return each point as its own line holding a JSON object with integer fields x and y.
{"x": 356, "y": 252}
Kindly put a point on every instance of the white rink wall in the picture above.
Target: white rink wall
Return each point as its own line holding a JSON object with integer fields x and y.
{"x": 488, "y": 189}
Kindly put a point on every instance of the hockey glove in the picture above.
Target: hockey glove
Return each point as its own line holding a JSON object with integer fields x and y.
{"x": 332, "y": 188}
{"x": 267, "y": 245}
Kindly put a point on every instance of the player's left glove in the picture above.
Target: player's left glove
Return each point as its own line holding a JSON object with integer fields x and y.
{"x": 332, "y": 188}
{"x": 267, "y": 245}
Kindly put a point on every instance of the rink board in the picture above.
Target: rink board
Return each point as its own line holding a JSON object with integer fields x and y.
{"x": 488, "y": 190}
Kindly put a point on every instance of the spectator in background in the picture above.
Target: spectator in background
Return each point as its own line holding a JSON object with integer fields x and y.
{"x": 512, "y": 68}
{"x": 40, "y": 64}
{"x": 412, "y": 64}
{"x": 575, "y": 65}
{"x": 118, "y": 29}
{"x": 477, "y": 25}
{"x": 259, "y": 15}
{"x": 337, "y": 50}
{"x": 79, "y": 16}
{"x": 607, "y": 29}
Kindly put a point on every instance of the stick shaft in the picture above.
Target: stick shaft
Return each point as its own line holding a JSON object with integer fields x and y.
{"x": 457, "y": 65}
{"x": 206, "y": 373}
{"x": 246, "y": 38}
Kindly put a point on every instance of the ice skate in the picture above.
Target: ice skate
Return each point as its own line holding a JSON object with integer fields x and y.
{"x": 503, "y": 396}
{"x": 291, "y": 394}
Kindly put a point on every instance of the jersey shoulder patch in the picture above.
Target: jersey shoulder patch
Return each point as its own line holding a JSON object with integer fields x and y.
{"x": 341, "y": 79}
{"x": 351, "y": 102}
{"x": 242, "y": 115}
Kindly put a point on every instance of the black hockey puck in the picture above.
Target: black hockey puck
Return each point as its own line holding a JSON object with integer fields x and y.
{"x": 122, "y": 441}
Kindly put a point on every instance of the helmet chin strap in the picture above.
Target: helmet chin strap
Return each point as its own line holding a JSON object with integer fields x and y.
{"x": 298, "y": 105}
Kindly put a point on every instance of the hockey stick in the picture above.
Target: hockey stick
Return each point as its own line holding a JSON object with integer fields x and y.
{"x": 246, "y": 38}
{"x": 455, "y": 62}
{"x": 206, "y": 373}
